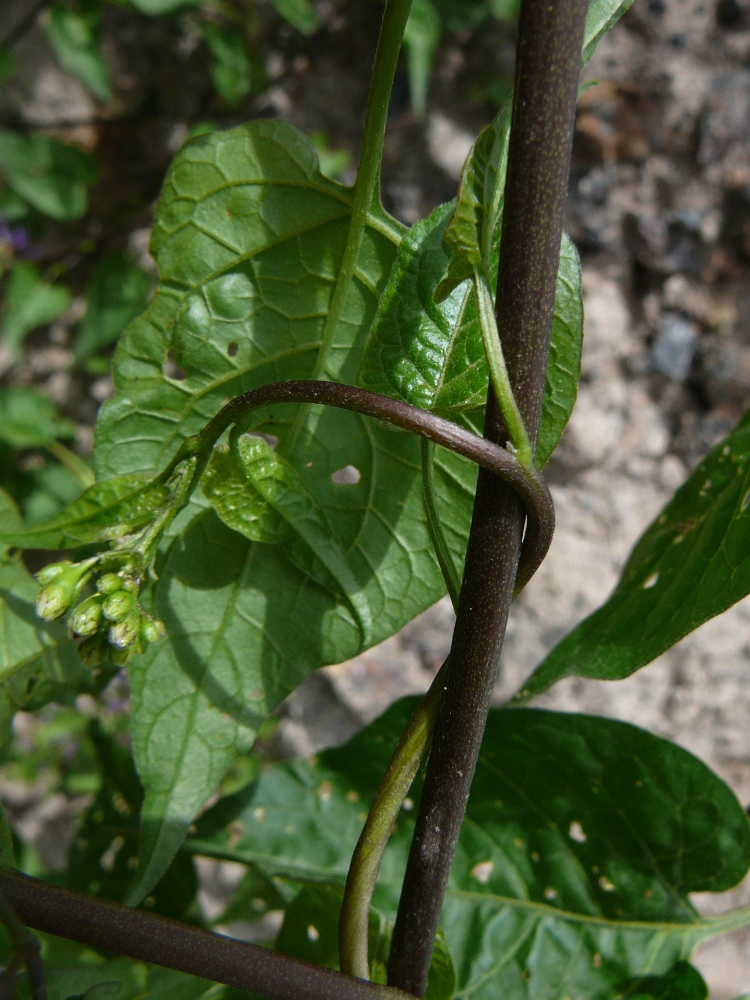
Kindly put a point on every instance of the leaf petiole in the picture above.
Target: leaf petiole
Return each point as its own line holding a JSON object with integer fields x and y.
{"x": 445, "y": 560}
{"x": 493, "y": 350}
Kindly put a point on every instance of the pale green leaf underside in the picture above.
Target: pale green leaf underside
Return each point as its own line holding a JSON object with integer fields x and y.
{"x": 583, "y": 838}
{"x": 691, "y": 564}
{"x": 602, "y": 15}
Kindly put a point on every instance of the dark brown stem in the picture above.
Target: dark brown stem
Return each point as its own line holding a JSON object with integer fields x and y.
{"x": 528, "y": 484}
{"x": 27, "y": 950}
{"x": 547, "y": 65}
{"x": 146, "y": 937}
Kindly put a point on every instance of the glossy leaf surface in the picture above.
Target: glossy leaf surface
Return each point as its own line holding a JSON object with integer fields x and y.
{"x": 50, "y": 175}
{"x": 691, "y": 564}
{"x": 583, "y": 838}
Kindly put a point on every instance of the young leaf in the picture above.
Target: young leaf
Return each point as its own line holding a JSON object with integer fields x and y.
{"x": 299, "y": 13}
{"x": 74, "y": 37}
{"x": 602, "y": 15}
{"x": 231, "y": 67}
{"x": 423, "y": 30}
{"x": 583, "y": 840}
{"x": 50, "y": 175}
{"x": 691, "y": 564}
{"x": 29, "y": 302}
{"x": 432, "y": 355}
{"x": 275, "y": 482}
{"x": 28, "y": 419}
{"x": 118, "y": 293}
{"x": 104, "y": 511}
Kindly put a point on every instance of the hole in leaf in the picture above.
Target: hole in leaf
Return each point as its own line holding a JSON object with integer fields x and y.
{"x": 313, "y": 933}
{"x": 232, "y": 349}
{"x": 270, "y": 439}
{"x": 576, "y": 832}
{"x": 651, "y": 581}
{"x": 482, "y": 871}
{"x": 348, "y": 476}
{"x": 171, "y": 369}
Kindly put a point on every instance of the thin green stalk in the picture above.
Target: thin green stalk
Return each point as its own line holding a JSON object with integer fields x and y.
{"x": 365, "y": 863}
{"x": 368, "y": 174}
{"x": 437, "y": 535}
{"x": 499, "y": 374}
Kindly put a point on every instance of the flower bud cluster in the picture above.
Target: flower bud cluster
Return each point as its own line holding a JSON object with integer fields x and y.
{"x": 110, "y": 624}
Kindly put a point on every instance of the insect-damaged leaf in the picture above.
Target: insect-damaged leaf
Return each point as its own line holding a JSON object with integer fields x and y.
{"x": 582, "y": 841}
{"x": 691, "y": 564}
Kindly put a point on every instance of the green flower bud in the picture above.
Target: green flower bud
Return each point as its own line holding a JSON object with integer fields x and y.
{"x": 67, "y": 581}
{"x": 152, "y": 630}
{"x": 118, "y": 605}
{"x": 87, "y": 617}
{"x": 92, "y": 651}
{"x": 110, "y": 583}
{"x": 51, "y": 572}
{"x": 125, "y": 632}
{"x": 120, "y": 657}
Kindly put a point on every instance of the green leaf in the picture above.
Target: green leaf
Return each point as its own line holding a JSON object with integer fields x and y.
{"x": 7, "y": 64}
{"x": 107, "y": 841}
{"x": 432, "y": 355}
{"x": 231, "y": 66}
{"x": 691, "y": 564}
{"x": 421, "y": 38}
{"x": 29, "y": 302}
{"x": 50, "y": 175}
{"x": 12, "y": 207}
{"x": 583, "y": 839}
{"x": 249, "y": 238}
{"x": 299, "y": 13}
{"x": 266, "y": 477}
{"x": 155, "y": 8}
{"x": 104, "y": 511}
{"x": 682, "y": 982}
{"x": 602, "y": 15}
{"x": 118, "y": 293}
{"x": 74, "y": 37}
{"x": 333, "y": 162}
{"x": 29, "y": 419}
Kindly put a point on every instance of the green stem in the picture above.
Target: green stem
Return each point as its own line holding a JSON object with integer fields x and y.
{"x": 499, "y": 373}
{"x": 445, "y": 559}
{"x": 368, "y": 174}
{"x": 365, "y": 863}
{"x": 75, "y": 465}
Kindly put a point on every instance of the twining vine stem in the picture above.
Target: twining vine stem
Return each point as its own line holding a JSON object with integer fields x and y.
{"x": 147, "y": 937}
{"x": 547, "y": 66}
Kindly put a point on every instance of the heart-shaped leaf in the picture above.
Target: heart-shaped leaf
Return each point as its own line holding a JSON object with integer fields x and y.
{"x": 582, "y": 842}
{"x": 691, "y": 564}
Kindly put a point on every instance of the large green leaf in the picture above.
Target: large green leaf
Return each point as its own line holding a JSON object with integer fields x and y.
{"x": 74, "y": 37}
{"x": 582, "y": 841}
{"x": 50, "y": 175}
{"x": 118, "y": 293}
{"x": 691, "y": 564}
{"x": 249, "y": 239}
{"x": 29, "y": 302}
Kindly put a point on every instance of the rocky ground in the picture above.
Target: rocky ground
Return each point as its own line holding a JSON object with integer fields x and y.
{"x": 660, "y": 210}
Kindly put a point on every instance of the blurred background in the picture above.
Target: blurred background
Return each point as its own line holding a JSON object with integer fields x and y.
{"x": 95, "y": 100}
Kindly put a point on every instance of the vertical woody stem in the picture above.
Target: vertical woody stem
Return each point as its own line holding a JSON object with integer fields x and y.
{"x": 547, "y": 66}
